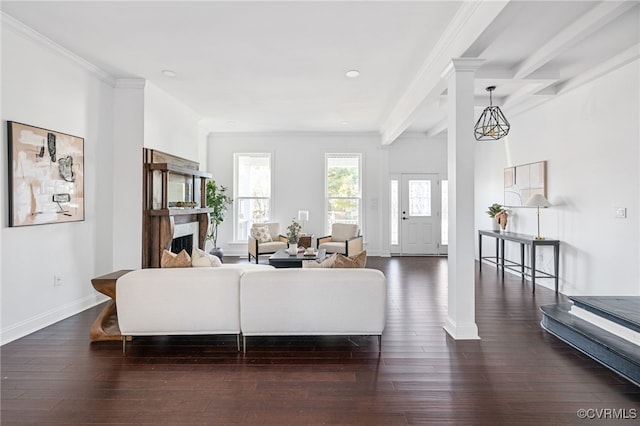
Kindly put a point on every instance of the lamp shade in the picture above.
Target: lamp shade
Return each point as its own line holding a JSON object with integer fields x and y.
{"x": 303, "y": 215}
{"x": 537, "y": 200}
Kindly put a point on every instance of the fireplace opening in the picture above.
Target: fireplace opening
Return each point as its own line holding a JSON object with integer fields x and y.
{"x": 182, "y": 243}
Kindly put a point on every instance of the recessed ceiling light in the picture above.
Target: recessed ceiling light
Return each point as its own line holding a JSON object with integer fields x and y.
{"x": 352, "y": 73}
{"x": 169, "y": 73}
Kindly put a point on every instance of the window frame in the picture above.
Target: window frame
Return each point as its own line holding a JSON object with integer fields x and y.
{"x": 237, "y": 198}
{"x": 327, "y": 198}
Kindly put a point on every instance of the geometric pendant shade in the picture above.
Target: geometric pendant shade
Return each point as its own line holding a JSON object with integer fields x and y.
{"x": 492, "y": 124}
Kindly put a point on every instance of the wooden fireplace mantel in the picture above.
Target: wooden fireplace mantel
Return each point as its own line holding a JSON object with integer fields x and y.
{"x": 159, "y": 218}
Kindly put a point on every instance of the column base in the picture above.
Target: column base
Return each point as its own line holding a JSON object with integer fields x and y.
{"x": 461, "y": 332}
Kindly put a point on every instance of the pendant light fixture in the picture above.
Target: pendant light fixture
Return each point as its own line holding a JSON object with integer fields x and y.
{"x": 492, "y": 124}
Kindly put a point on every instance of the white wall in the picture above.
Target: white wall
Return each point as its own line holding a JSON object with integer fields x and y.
{"x": 145, "y": 117}
{"x": 170, "y": 126}
{"x": 415, "y": 153}
{"x": 42, "y": 87}
{"x": 298, "y": 170}
{"x": 298, "y": 162}
{"x": 590, "y": 140}
{"x": 46, "y": 86}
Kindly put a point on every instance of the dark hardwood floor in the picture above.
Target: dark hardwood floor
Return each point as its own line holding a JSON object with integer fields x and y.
{"x": 517, "y": 374}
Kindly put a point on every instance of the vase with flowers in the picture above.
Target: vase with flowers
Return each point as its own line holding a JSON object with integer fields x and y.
{"x": 293, "y": 234}
{"x": 499, "y": 215}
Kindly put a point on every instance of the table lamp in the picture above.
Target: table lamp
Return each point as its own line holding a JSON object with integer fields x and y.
{"x": 303, "y": 216}
{"x": 538, "y": 200}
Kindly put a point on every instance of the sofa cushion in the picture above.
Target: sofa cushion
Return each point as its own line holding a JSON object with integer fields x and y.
{"x": 261, "y": 233}
{"x": 172, "y": 260}
{"x": 293, "y": 301}
{"x": 246, "y": 267}
{"x": 357, "y": 261}
{"x": 200, "y": 258}
{"x": 157, "y": 301}
{"x": 334, "y": 247}
{"x": 343, "y": 231}
{"x": 271, "y": 247}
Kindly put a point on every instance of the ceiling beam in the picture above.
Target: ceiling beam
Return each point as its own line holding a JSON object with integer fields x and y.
{"x": 615, "y": 62}
{"x": 539, "y": 91}
{"x": 529, "y": 88}
{"x": 470, "y": 21}
{"x": 521, "y": 105}
{"x": 584, "y": 26}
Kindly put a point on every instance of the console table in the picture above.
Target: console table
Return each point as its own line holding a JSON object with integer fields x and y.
{"x": 522, "y": 239}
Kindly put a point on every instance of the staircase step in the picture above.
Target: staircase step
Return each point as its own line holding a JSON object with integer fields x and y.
{"x": 623, "y": 310}
{"x": 612, "y": 351}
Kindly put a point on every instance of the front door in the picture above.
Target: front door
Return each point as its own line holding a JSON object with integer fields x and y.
{"x": 420, "y": 214}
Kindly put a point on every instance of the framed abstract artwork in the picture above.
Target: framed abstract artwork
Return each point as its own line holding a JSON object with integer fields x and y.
{"x": 522, "y": 182}
{"x": 46, "y": 176}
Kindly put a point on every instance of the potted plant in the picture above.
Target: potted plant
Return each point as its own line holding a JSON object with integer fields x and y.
{"x": 494, "y": 211}
{"x": 217, "y": 200}
{"x": 293, "y": 234}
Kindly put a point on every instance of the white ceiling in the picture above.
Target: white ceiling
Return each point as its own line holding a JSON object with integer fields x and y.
{"x": 279, "y": 66}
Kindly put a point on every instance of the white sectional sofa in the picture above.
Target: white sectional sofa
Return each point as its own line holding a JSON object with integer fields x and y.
{"x": 298, "y": 302}
{"x": 253, "y": 300}
{"x": 177, "y": 301}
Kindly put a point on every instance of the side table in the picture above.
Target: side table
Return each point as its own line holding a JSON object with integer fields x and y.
{"x": 305, "y": 240}
{"x": 105, "y": 327}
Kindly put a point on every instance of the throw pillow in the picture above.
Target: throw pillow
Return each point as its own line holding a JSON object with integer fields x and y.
{"x": 360, "y": 259}
{"x": 357, "y": 261}
{"x": 172, "y": 260}
{"x": 310, "y": 264}
{"x": 261, "y": 233}
{"x": 200, "y": 258}
{"x": 326, "y": 263}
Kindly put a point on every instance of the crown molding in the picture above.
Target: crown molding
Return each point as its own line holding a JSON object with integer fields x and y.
{"x": 32, "y": 35}
{"x": 461, "y": 65}
{"x": 297, "y": 133}
{"x": 129, "y": 83}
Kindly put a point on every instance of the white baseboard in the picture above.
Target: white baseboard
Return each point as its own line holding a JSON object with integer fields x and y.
{"x": 31, "y": 325}
{"x": 467, "y": 331}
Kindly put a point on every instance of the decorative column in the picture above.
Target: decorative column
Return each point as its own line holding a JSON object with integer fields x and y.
{"x": 461, "y": 317}
{"x": 128, "y": 142}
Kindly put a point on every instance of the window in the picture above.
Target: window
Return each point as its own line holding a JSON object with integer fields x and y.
{"x": 343, "y": 189}
{"x": 420, "y": 198}
{"x": 395, "y": 210}
{"x": 252, "y": 192}
{"x": 444, "y": 224}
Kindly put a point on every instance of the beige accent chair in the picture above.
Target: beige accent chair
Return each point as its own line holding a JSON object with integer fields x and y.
{"x": 256, "y": 248}
{"x": 344, "y": 239}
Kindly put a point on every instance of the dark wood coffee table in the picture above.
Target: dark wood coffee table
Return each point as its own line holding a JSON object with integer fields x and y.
{"x": 282, "y": 259}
